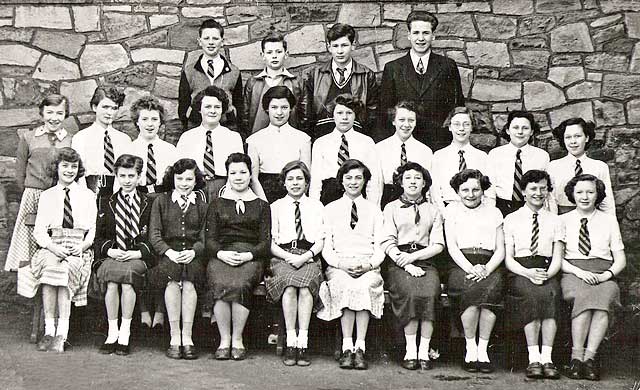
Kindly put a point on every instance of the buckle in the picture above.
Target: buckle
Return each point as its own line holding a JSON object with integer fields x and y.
{"x": 294, "y": 244}
{"x": 102, "y": 181}
{"x": 151, "y": 189}
{"x": 414, "y": 247}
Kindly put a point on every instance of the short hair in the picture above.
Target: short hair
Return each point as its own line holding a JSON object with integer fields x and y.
{"x": 347, "y": 100}
{"x": 600, "y": 188}
{"x": 535, "y": 176}
{"x": 54, "y": 100}
{"x": 278, "y": 92}
{"x": 180, "y": 167}
{"x": 423, "y": 16}
{"x": 129, "y": 161}
{"x": 589, "y": 129}
{"x": 213, "y": 91}
{"x": 148, "y": 103}
{"x": 340, "y": 30}
{"x": 409, "y": 105}
{"x": 459, "y": 110}
{"x": 273, "y": 36}
{"x": 354, "y": 164}
{"x": 211, "y": 23}
{"x": 520, "y": 114}
{"x": 461, "y": 177}
{"x": 238, "y": 158}
{"x": 292, "y": 166}
{"x": 412, "y": 166}
{"x": 109, "y": 92}
{"x": 67, "y": 154}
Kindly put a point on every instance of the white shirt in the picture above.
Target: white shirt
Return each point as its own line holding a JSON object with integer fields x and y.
{"x": 501, "y": 166}
{"x": 89, "y": 143}
{"x": 273, "y": 80}
{"x": 475, "y": 228}
{"x": 518, "y": 228}
{"x": 389, "y": 151}
{"x": 164, "y": 154}
{"x": 415, "y": 58}
{"x": 218, "y": 66}
{"x": 324, "y": 161}
{"x": 283, "y": 226}
{"x": 273, "y": 147}
{"x": 563, "y": 170}
{"x": 347, "y": 72}
{"x": 193, "y": 143}
{"x": 604, "y": 235}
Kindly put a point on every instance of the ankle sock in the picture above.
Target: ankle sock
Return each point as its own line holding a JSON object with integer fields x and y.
{"x": 534, "y": 354}
{"x": 303, "y": 338}
{"x": 360, "y": 344}
{"x": 545, "y": 354}
{"x": 412, "y": 350}
{"x": 472, "y": 350}
{"x": 292, "y": 338}
{"x": 49, "y": 326}
{"x": 124, "y": 332}
{"x": 483, "y": 355}
{"x": 175, "y": 333}
{"x": 423, "y": 351}
{"x": 347, "y": 344}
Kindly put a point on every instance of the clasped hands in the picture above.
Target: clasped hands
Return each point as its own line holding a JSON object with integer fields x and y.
{"x": 181, "y": 257}
{"x": 297, "y": 261}
{"x": 536, "y": 275}
{"x": 405, "y": 260}
{"x": 593, "y": 278}
{"x": 63, "y": 252}
{"x": 477, "y": 273}
{"x": 234, "y": 258}
{"x": 122, "y": 255}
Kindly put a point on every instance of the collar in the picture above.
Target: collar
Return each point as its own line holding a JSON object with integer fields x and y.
{"x": 283, "y": 73}
{"x": 415, "y": 58}
{"x": 142, "y": 140}
{"x": 60, "y": 134}
{"x": 579, "y": 216}
{"x": 529, "y": 212}
{"x": 246, "y": 196}
{"x": 337, "y": 134}
{"x": 514, "y": 149}
{"x": 357, "y": 201}
{"x": 465, "y": 148}
{"x": 348, "y": 68}
{"x": 290, "y": 200}
{"x": 203, "y": 130}
{"x": 72, "y": 186}
{"x": 132, "y": 195}
{"x": 285, "y": 127}
{"x": 574, "y": 158}
{"x": 177, "y": 198}
{"x": 399, "y": 141}
{"x": 225, "y": 69}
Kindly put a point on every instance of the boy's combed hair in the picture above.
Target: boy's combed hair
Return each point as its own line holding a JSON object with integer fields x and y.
{"x": 340, "y": 30}
{"x": 278, "y": 92}
{"x": 422, "y": 16}
{"x": 211, "y": 23}
{"x": 129, "y": 161}
{"x": 148, "y": 103}
{"x": 54, "y": 100}
{"x": 213, "y": 91}
{"x": 109, "y": 92}
{"x": 275, "y": 37}
{"x": 67, "y": 154}
{"x": 179, "y": 167}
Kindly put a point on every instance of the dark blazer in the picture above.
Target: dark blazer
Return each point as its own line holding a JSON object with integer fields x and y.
{"x": 436, "y": 96}
{"x": 106, "y": 229}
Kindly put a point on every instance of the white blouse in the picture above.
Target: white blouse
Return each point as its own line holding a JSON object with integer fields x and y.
{"x": 518, "y": 227}
{"x": 475, "y": 228}
{"x": 604, "y": 235}
{"x": 283, "y": 227}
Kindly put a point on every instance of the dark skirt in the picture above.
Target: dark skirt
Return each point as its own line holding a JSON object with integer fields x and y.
{"x": 390, "y": 192}
{"x": 272, "y": 187}
{"x": 465, "y": 293}
{"x": 166, "y": 271}
{"x": 604, "y": 296}
{"x": 284, "y": 275}
{"x": 128, "y": 272}
{"x": 331, "y": 190}
{"x": 528, "y": 301}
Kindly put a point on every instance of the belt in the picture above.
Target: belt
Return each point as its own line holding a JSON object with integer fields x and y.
{"x": 476, "y": 251}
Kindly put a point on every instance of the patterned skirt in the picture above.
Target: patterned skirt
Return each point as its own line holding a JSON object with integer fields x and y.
{"x": 604, "y": 296}
{"x": 23, "y": 246}
{"x": 285, "y": 275}
{"x": 121, "y": 272}
{"x": 167, "y": 271}
{"x": 465, "y": 293}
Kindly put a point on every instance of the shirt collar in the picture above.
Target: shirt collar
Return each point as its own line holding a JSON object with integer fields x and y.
{"x": 177, "y": 198}
{"x": 338, "y": 134}
{"x": 514, "y": 148}
{"x": 71, "y": 186}
{"x": 348, "y": 68}
{"x": 283, "y": 72}
{"x": 574, "y": 158}
{"x": 246, "y": 196}
{"x": 399, "y": 141}
{"x": 285, "y": 127}
{"x": 357, "y": 200}
{"x": 290, "y": 200}
{"x": 415, "y": 58}
{"x": 60, "y": 134}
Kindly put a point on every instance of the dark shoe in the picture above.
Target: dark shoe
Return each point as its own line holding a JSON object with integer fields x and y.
{"x": 222, "y": 354}
{"x": 410, "y": 364}
{"x": 107, "y": 348}
{"x": 57, "y": 345}
{"x": 534, "y": 370}
{"x": 289, "y": 358}
{"x": 303, "y": 357}
{"x": 550, "y": 371}
{"x": 44, "y": 343}
{"x": 346, "y": 360}
{"x": 426, "y": 365}
{"x": 189, "y": 352}
{"x": 238, "y": 353}
{"x": 486, "y": 367}
{"x": 470, "y": 366}
{"x": 123, "y": 350}
{"x": 590, "y": 370}
{"x": 174, "y": 352}
{"x": 359, "y": 361}
{"x": 574, "y": 370}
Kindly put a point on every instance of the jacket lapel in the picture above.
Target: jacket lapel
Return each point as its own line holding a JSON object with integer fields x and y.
{"x": 433, "y": 70}
{"x": 410, "y": 75}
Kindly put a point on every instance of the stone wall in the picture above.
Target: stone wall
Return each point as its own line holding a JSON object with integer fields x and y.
{"x": 557, "y": 58}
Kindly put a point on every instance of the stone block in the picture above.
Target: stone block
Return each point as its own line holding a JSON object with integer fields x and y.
{"x": 157, "y": 55}
{"x": 506, "y": 107}
{"x": 169, "y": 70}
{"x": 208, "y": 2}
{"x": 576, "y": 16}
{"x": 466, "y": 80}
{"x": 157, "y": 21}
{"x": 93, "y": 60}
{"x": 19, "y": 116}
{"x": 554, "y": 6}
{"x": 566, "y": 60}
{"x": 425, "y": 7}
{"x": 483, "y": 53}
{"x": 487, "y": 73}
{"x": 54, "y": 68}
{"x": 260, "y": 28}
{"x": 184, "y": 35}
{"x": 144, "y": 8}
{"x": 496, "y": 27}
{"x": 520, "y": 74}
{"x": 607, "y": 61}
{"x": 396, "y": 11}
{"x": 635, "y": 59}
{"x": 458, "y": 56}
{"x": 86, "y": 18}
{"x": 609, "y": 113}
{"x": 538, "y": 59}
{"x": 65, "y": 44}
{"x": 21, "y": 93}
{"x": 6, "y": 11}
{"x": 53, "y": 17}
{"x": 366, "y": 57}
{"x": 584, "y": 90}
{"x": 308, "y": 39}
{"x": 166, "y": 87}
{"x": 632, "y": 21}
{"x": 203, "y": 12}
{"x": 236, "y": 35}
{"x": 566, "y": 75}
{"x": 118, "y": 25}
{"x": 131, "y": 95}
{"x": 605, "y": 21}
{"x": 571, "y": 38}
{"x": 19, "y": 55}
{"x": 619, "y": 45}
{"x": 360, "y": 14}
{"x": 470, "y": 6}
{"x": 488, "y": 90}
{"x": 140, "y": 75}
{"x": 366, "y": 37}
{"x": 539, "y": 95}
{"x": 309, "y": 13}
{"x": 594, "y": 76}
{"x": 16, "y": 34}
{"x": 241, "y": 14}
{"x": 95, "y": 37}
{"x": 633, "y": 111}
{"x": 169, "y": 9}
{"x": 620, "y": 86}
{"x": 156, "y": 38}
{"x": 384, "y": 48}
{"x": 536, "y": 24}
{"x": 294, "y": 62}
{"x": 513, "y": 7}
{"x": 400, "y": 36}
{"x": 526, "y": 43}
{"x": 246, "y": 57}
{"x": 612, "y": 6}
{"x": 116, "y": 8}
{"x": 385, "y": 58}
{"x": 447, "y": 44}
{"x": 456, "y": 25}
{"x": 582, "y": 110}
{"x": 612, "y": 33}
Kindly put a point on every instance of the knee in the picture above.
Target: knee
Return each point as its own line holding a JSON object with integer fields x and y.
{"x": 112, "y": 287}
{"x": 305, "y": 293}
{"x": 188, "y": 287}
{"x": 289, "y": 292}
{"x": 127, "y": 288}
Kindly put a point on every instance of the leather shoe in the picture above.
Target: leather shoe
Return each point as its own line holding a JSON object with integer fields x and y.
{"x": 222, "y": 354}
{"x": 303, "y": 357}
{"x": 359, "y": 361}
{"x": 410, "y": 364}
{"x": 534, "y": 370}
{"x": 346, "y": 360}
{"x": 289, "y": 358}
{"x": 123, "y": 350}
{"x": 44, "y": 343}
{"x": 174, "y": 352}
{"x": 426, "y": 365}
{"x": 486, "y": 367}
{"x": 238, "y": 353}
{"x": 575, "y": 369}
{"x": 189, "y": 352}
{"x": 590, "y": 370}
{"x": 470, "y": 366}
{"x": 550, "y": 371}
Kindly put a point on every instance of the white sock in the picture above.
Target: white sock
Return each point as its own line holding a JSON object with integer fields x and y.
{"x": 112, "y": 336}
{"x": 49, "y": 326}
{"x": 186, "y": 337}
{"x": 534, "y": 354}
{"x": 411, "y": 347}
{"x": 125, "y": 331}
{"x": 423, "y": 351}
{"x": 145, "y": 318}
{"x": 303, "y": 338}
{"x": 483, "y": 356}
{"x": 472, "y": 350}
{"x": 545, "y": 355}
{"x": 360, "y": 344}
{"x": 63, "y": 328}
{"x": 347, "y": 344}
{"x": 292, "y": 338}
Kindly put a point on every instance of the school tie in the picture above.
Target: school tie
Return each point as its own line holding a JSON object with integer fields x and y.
{"x": 584, "y": 243}
{"x": 67, "y": 218}
{"x": 151, "y": 166}
{"x": 122, "y": 221}
{"x": 134, "y": 217}
{"x": 342, "y": 79}
{"x": 517, "y": 177}
{"x": 420, "y": 67}
{"x": 354, "y": 215}
{"x": 210, "y": 69}
{"x": 462, "y": 165}
{"x": 403, "y": 154}
{"x": 185, "y": 203}
{"x": 535, "y": 232}
{"x": 578, "y": 168}
{"x": 209, "y": 166}
{"x": 298, "y": 218}
{"x": 109, "y": 155}
{"x": 343, "y": 152}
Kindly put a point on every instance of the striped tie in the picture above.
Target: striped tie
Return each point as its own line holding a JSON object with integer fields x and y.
{"x": 134, "y": 217}
{"x": 584, "y": 243}
{"x": 210, "y": 69}
{"x": 185, "y": 203}
{"x": 343, "y": 152}
{"x": 578, "y": 168}
{"x": 342, "y": 79}
{"x": 420, "y": 67}
{"x": 209, "y": 166}
{"x": 122, "y": 221}
{"x": 67, "y": 218}
{"x": 109, "y": 155}
{"x": 403, "y": 154}
{"x": 517, "y": 177}
{"x": 298, "y": 218}
{"x": 535, "y": 232}
{"x": 462, "y": 165}
{"x": 152, "y": 175}
{"x": 354, "y": 215}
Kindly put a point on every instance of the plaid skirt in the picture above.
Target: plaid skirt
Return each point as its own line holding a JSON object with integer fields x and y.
{"x": 604, "y": 296}
{"x": 23, "y": 246}
{"x": 285, "y": 275}
{"x": 465, "y": 293}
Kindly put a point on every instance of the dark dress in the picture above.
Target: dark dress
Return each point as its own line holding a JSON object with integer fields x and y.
{"x": 242, "y": 232}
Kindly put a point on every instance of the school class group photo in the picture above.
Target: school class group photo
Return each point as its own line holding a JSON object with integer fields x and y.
{"x": 336, "y": 193}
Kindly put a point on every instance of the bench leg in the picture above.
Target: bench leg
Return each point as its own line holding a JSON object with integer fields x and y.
{"x": 37, "y": 319}
{"x": 338, "y": 342}
{"x": 282, "y": 332}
